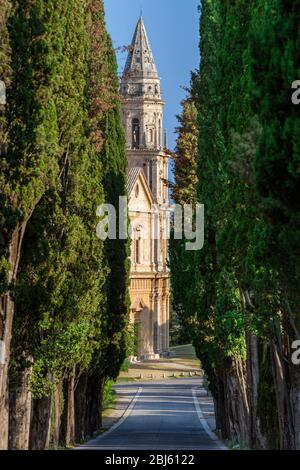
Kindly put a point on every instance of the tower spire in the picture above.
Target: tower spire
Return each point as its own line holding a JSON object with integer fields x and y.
{"x": 140, "y": 62}
{"x": 142, "y": 96}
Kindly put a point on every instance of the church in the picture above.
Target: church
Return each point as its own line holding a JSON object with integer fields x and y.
{"x": 148, "y": 198}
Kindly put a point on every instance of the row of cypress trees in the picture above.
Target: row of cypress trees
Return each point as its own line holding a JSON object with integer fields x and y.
{"x": 64, "y": 299}
{"x": 241, "y": 292}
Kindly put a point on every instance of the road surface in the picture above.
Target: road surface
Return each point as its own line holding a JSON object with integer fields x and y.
{"x": 163, "y": 416}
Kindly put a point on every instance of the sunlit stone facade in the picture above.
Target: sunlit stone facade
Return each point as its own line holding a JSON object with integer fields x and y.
{"x": 142, "y": 109}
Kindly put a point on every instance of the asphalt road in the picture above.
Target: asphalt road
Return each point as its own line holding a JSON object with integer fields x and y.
{"x": 163, "y": 416}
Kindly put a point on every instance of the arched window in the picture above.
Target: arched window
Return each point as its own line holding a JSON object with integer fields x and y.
{"x": 151, "y": 136}
{"x": 151, "y": 175}
{"x": 138, "y": 245}
{"x": 137, "y": 250}
{"x": 156, "y": 252}
{"x": 135, "y": 134}
{"x": 159, "y": 133}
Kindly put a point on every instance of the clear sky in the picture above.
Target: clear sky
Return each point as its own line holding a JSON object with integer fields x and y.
{"x": 173, "y": 32}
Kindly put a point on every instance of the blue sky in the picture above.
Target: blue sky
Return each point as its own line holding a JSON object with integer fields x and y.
{"x": 173, "y": 31}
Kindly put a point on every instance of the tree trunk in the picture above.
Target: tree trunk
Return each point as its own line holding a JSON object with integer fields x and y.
{"x": 6, "y": 321}
{"x": 258, "y": 441}
{"x": 253, "y": 380}
{"x": 221, "y": 421}
{"x": 292, "y": 332}
{"x": 67, "y": 430}
{"x": 56, "y": 411}
{"x": 283, "y": 402}
{"x": 40, "y": 424}
{"x": 295, "y": 403}
{"x": 237, "y": 408}
{"x": 80, "y": 400}
{"x": 20, "y": 410}
{"x": 95, "y": 387}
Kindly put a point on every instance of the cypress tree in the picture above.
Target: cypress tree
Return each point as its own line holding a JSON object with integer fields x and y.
{"x": 59, "y": 290}
{"x": 274, "y": 67}
{"x": 66, "y": 157}
{"x": 31, "y": 163}
{"x": 245, "y": 290}
{"x": 184, "y": 191}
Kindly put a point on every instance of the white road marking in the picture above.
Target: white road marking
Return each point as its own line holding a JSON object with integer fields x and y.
{"x": 203, "y": 421}
{"x": 125, "y": 415}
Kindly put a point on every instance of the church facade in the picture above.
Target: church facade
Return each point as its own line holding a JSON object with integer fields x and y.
{"x": 149, "y": 212}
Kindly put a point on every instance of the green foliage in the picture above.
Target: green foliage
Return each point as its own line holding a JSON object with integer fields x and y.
{"x": 179, "y": 332}
{"x": 133, "y": 339}
{"x": 231, "y": 332}
{"x": 183, "y": 192}
{"x": 245, "y": 281}
{"x": 109, "y": 394}
{"x": 5, "y": 71}
{"x": 59, "y": 292}
{"x": 184, "y": 189}
{"x": 114, "y": 320}
{"x": 67, "y": 142}
{"x": 277, "y": 160}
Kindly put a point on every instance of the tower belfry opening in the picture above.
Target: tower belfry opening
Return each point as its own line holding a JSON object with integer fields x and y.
{"x": 142, "y": 108}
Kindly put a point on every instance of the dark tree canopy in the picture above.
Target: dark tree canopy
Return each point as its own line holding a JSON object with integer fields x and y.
{"x": 241, "y": 300}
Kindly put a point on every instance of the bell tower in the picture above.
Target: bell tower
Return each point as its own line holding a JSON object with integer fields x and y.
{"x": 142, "y": 107}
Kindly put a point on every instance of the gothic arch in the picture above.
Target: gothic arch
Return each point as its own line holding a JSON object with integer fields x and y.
{"x": 159, "y": 133}
{"x": 138, "y": 304}
{"x": 135, "y": 144}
